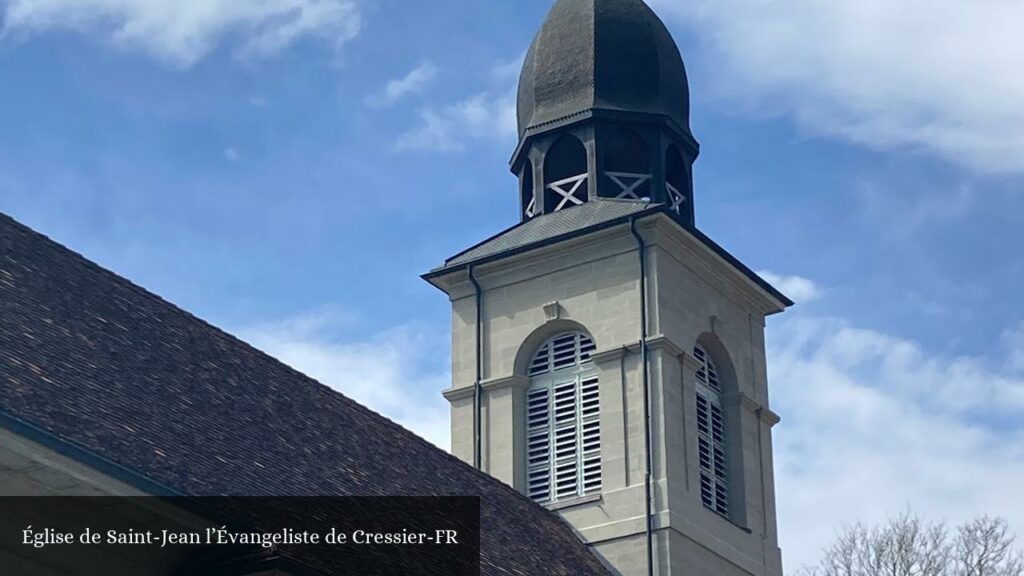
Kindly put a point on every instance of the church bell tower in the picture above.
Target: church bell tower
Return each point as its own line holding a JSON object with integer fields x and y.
{"x": 608, "y": 358}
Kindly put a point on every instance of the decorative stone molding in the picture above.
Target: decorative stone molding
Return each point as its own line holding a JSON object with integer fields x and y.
{"x": 768, "y": 417}
{"x": 691, "y": 363}
{"x": 492, "y": 385}
{"x": 553, "y": 311}
{"x": 612, "y": 355}
{"x": 681, "y": 244}
{"x": 658, "y": 342}
{"x": 455, "y": 394}
{"x": 764, "y": 414}
{"x": 662, "y": 342}
{"x": 743, "y": 400}
{"x": 574, "y": 502}
{"x": 514, "y": 382}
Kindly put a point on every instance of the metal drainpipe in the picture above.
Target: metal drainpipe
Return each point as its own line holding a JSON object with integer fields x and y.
{"x": 642, "y": 248}
{"x": 477, "y": 420}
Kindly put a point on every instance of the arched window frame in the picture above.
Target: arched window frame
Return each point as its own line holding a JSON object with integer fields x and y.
{"x": 563, "y": 428}
{"x": 712, "y": 447}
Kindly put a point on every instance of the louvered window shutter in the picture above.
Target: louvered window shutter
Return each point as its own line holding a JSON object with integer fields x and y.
{"x": 538, "y": 415}
{"x": 711, "y": 450}
{"x": 563, "y": 421}
{"x": 566, "y": 441}
{"x": 590, "y": 431}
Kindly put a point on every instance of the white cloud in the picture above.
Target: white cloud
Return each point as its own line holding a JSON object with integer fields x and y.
{"x": 183, "y": 31}
{"x": 509, "y": 71}
{"x": 1013, "y": 339}
{"x": 486, "y": 115}
{"x": 796, "y": 287}
{"x": 412, "y": 83}
{"x": 390, "y": 373}
{"x": 903, "y": 213}
{"x": 232, "y": 154}
{"x": 934, "y": 75}
{"x": 872, "y": 424}
{"x": 480, "y": 117}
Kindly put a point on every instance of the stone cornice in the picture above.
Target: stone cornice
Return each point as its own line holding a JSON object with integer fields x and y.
{"x": 574, "y": 502}
{"x": 691, "y": 362}
{"x": 594, "y": 246}
{"x": 455, "y": 394}
{"x": 612, "y": 355}
{"x": 492, "y": 385}
{"x": 514, "y": 382}
{"x": 743, "y": 400}
{"x": 723, "y": 276}
{"x": 768, "y": 417}
{"x": 764, "y": 414}
{"x": 662, "y": 342}
{"x": 657, "y": 342}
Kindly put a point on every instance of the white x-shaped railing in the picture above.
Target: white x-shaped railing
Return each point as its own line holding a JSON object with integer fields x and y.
{"x": 569, "y": 188}
{"x": 629, "y": 183}
{"x": 675, "y": 198}
{"x": 568, "y": 194}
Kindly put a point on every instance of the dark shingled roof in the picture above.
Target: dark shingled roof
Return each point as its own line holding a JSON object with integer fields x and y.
{"x": 100, "y": 368}
{"x": 550, "y": 227}
{"x": 602, "y": 54}
{"x": 577, "y": 221}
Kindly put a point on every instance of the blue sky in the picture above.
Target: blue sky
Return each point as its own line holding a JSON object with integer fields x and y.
{"x": 287, "y": 168}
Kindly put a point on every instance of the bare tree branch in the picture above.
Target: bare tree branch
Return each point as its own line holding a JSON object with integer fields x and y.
{"x": 906, "y": 545}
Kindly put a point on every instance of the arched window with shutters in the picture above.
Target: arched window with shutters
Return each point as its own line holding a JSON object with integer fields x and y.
{"x": 711, "y": 432}
{"x": 563, "y": 431}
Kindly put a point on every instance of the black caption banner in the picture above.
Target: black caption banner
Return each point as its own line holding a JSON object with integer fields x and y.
{"x": 302, "y": 536}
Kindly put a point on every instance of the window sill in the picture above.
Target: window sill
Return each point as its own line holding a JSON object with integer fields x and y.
{"x": 573, "y": 502}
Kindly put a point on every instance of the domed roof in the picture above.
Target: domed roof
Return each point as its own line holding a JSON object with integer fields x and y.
{"x": 602, "y": 54}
